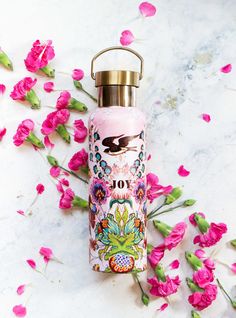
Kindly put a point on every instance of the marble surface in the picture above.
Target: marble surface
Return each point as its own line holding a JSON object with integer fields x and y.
{"x": 184, "y": 46}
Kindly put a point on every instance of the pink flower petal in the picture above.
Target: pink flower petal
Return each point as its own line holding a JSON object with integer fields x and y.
{"x": 226, "y": 69}
{"x": 174, "y": 264}
{"x": 20, "y": 289}
{"x": 183, "y": 172}
{"x": 55, "y": 171}
{"x": 233, "y": 268}
{"x": 206, "y": 117}
{"x": 48, "y": 143}
{"x": 40, "y": 188}
{"x": 200, "y": 254}
{"x": 31, "y": 263}
{"x": 47, "y": 253}
{"x": 48, "y": 87}
{"x": 126, "y": 38}
{"x": 19, "y": 311}
{"x": 149, "y": 157}
{"x": 60, "y": 187}
{"x": 77, "y": 74}
{"x": 147, "y": 9}
{"x": 163, "y": 307}
{"x": 65, "y": 182}
{"x": 2, "y": 133}
{"x": 20, "y": 212}
{"x": 2, "y": 89}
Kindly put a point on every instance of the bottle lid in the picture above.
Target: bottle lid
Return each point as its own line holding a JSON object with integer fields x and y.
{"x": 117, "y": 77}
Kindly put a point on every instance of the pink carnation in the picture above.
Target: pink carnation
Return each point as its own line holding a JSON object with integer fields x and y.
{"x": 203, "y": 277}
{"x": 80, "y": 131}
{"x": 78, "y": 160}
{"x": 176, "y": 235}
{"x": 22, "y": 88}
{"x": 164, "y": 289}
{"x": 39, "y": 56}
{"x": 59, "y": 117}
{"x": 66, "y": 199}
{"x": 203, "y": 299}
{"x": 212, "y": 236}
{"x": 154, "y": 189}
{"x": 156, "y": 254}
{"x": 23, "y": 131}
{"x": 63, "y": 100}
{"x": 77, "y": 74}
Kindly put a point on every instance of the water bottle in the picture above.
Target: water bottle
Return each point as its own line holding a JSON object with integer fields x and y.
{"x": 117, "y": 185}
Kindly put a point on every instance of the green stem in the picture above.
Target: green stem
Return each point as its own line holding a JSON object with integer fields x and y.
{"x": 73, "y": 174}
{"x": 144, "y": 296}
{"x": 152, "y": 214}
{"x": 233, "y": 303}
{"x": 88, "y": 94}
{"x": 155, "y": 210}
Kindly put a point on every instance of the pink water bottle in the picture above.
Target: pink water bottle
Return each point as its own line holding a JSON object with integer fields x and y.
{"x": 117, "y": 186}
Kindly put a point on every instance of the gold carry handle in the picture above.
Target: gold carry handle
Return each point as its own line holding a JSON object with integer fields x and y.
{"x": 117, "y": 48}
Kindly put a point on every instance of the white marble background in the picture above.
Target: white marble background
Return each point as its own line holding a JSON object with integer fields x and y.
{"x": 184, "y": 46}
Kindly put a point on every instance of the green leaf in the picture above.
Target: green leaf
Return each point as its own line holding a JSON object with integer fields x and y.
{"x": 117, "y": 215}
{"x": 125, "y": 215}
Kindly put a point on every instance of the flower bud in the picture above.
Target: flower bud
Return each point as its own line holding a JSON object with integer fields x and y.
{"x": 48, "y": 70}
{"x": 173, "y": 196}
{"x": 193, "y": 260}
{"x": 74, "y": 104}
{"x": 202, "y": 224}
{"x": 62, "y": 131}
{"x": 52, "y": 160}
{"x": 5, "y": 61}
{"x": 163, "y": 228}
{"x": 189, "y": 202}
{"x": 33, "y": 99}
{"x": 34, "y": 140}
{"x": 233, "y": 243}
{"x": 159, "y": 271}
{"x": 145, "y": 299}
{"x": 78, "y": 84}
{"x": 195, "y": 314}
{"x": 79, "y": 202}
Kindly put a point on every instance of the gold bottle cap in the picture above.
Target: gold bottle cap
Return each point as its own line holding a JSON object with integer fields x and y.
{"x": 117, "y": 77}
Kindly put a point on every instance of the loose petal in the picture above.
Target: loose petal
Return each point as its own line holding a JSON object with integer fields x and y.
{"x": 163, "y": 307}
{"x": 2, "y": 89}
{"x": 20, "y": 212}
{"x": 47, "y": 253}
{"x": 55, "y": 171}
{"x": 19, "y": 311}
{"x": 183, "y": 172}
{"x": 31, "y": 263}
{"x": 77, "y": 74}
{"x": 206, "y": 117}
{"x": 147, "y": 9}
{"x": 200, "y": 253}
{"x": 48, "y": 87}
{"x": 126, "y": 38}
{"x": 233, "y": 268}
{"x": 40, "y": 188}
{"x": 20, "y": 289}
{"x": 174, "y": 264}
{"x": 2, "y": 133}
{"x": 48, "y": 143}
{"x": 226, "y": 69}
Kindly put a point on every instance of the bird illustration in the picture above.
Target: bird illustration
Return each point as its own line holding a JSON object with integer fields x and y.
{"x": 114, "y": 149}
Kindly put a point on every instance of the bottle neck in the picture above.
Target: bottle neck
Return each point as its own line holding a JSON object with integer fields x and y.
{"x": 116, "y": 95}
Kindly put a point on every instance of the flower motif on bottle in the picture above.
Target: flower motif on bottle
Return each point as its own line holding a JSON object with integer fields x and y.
{"x": 140, "y": 191}
{"x": 99, "y": 191}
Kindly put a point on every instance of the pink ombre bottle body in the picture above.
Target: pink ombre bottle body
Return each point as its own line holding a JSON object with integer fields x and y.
{"x": 117, "y": 186}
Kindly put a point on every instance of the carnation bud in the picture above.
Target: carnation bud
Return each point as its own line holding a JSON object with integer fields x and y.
{"x": 173, "y": 196}
{"x": 233, "y": 243}
{"x": 74, "y": 104}
{"x": 163, "y": 228}
{"x": 52, "y": 160}
{"x": 189, "y": 202}
{"x": 202, "y": 224}
{"x": 33, "y": 99}
{"x": 62, "y": 131}
{"x": 193, "y": 260}
{"x": 5, "y": 61}
{"x": 145, "y": 299}
{"x": 79, "y": 202}
{"x": 78, "y": 85}
{"x": 195, "y": 314}
{"x": 48, "y": 70}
